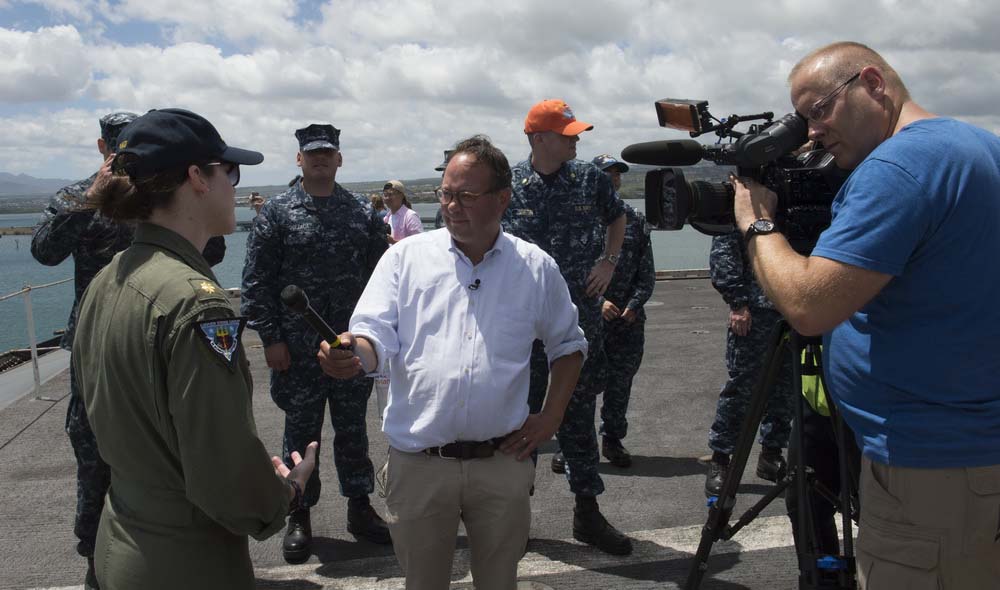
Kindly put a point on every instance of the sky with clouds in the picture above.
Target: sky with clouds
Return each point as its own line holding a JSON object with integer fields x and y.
{"x": 404, "y": 80}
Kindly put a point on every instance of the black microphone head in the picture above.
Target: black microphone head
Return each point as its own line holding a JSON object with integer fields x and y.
{"x": 295, "y": 298}
{"x": 680, "y": 152}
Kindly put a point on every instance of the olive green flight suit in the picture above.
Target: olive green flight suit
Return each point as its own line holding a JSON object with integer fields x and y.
{"x": 168, "y": 391}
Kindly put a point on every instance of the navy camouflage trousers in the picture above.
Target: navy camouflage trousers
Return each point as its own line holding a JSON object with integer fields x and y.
{"x": 303, "y": 392}
{"x": 623, "y": 348}
{"x": 745, "y": 360}
{"x": 577, "y": 435}
{"x": 93, "y": 476}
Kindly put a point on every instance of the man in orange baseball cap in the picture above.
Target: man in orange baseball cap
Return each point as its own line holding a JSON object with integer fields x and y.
{"x": 560, "y": 203}
{"x": 554, "y": 115}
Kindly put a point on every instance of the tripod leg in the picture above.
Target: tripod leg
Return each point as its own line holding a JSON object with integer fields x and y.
{"x": 722, "y": 508}
{"x": 848, "y": 491}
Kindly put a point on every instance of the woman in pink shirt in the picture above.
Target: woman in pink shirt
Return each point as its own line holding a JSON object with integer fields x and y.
{"x": 403, "y": 220}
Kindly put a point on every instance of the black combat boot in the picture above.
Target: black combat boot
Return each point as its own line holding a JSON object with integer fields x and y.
{"x": 614, "y": 452}
{"x": 770, "y": 464}
{"x": 590, "y": 527}
{"x": 717, "y": 470}
{"x": 558, "y": 462}
{"x": 298, "y": 537}
{"x": 90, "y": 582}
{"x": 363, "y": 522}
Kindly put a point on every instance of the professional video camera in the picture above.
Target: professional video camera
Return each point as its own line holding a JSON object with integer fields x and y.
{"x": 805, "y": 182}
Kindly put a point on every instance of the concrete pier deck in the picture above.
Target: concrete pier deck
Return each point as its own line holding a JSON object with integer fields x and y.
{"x": 658, "y": 501}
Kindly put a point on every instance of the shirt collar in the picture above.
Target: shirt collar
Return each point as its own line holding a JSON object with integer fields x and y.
{"x": 503, "y": 240}
{"x": 157, "y": 235}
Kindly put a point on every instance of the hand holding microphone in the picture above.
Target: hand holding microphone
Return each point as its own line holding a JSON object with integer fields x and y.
{"x": 296, "y": 300}
{"x": 336, "y": 354}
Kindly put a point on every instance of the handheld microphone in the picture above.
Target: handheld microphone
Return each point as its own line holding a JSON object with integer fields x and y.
{"x": 681, "y": 152}
{"x": 474, "y": 285}
{"x": 296, "y": 300}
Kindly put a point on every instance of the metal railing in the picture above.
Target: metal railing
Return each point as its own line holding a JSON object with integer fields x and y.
{"x": 32, "y": 342}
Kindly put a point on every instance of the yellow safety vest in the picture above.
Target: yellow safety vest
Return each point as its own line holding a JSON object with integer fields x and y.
{"x": 812, "y": 386}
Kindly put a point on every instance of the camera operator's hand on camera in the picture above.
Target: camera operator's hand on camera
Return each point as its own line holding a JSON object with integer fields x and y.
{"x": 751, "y": 202}
{"x": 610, "y": 311}
{"x": 739, "y": 321}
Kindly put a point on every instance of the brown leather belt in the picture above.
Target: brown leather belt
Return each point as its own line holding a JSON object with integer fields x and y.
{"x": 466, "y": 449}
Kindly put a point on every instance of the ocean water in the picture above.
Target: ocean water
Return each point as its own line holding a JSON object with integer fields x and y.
{"x": 685, "y": 249}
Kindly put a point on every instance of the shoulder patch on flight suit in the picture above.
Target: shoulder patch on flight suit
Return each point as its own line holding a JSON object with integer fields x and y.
{"x": 222, "y": 336}
{"x": 206, "y": 289}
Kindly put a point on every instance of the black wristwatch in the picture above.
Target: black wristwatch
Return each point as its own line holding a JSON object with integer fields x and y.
{"x": 759, "y": 228}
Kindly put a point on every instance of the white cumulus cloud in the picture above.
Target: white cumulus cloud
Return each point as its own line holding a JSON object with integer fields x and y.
{"x": 405, "y": 79}
{"x": 50, "y": 64}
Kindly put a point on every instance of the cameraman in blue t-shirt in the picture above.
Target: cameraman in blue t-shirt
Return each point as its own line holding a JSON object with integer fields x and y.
{"x": 903, "y": 287}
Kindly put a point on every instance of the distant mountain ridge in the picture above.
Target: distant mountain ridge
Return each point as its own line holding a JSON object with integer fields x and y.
{"x": 22, "y": 185}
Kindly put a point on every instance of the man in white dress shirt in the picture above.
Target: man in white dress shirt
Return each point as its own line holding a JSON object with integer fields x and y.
{"x": 452, "y": 315}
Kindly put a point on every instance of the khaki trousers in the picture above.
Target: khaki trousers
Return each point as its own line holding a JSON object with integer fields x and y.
{"x": 425, "y": 498}
{"x": 929, "y": 528}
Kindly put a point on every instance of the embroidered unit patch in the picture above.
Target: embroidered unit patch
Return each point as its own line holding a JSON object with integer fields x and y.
{"x": 223, "y": 336}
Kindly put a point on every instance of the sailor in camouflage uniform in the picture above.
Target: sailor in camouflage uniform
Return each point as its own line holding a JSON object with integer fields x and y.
{"x": 751, "y": 318}
{"x": 557, "y": 202}
{"x": 326, "y": 240}
{"x": 71, "y": 226}
{"x": 624, "y": 320}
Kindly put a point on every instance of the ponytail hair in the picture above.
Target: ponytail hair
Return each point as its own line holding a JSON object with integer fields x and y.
{"x": 125, "y": 197}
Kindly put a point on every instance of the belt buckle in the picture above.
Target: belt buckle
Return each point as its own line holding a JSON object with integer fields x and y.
{"x": 440, "y": 450}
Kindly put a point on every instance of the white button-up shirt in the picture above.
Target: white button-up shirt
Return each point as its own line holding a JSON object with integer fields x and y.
{"x": 456, "y": 338}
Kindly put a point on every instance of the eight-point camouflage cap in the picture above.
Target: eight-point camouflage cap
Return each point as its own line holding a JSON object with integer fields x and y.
{"x": 112, "y": 124}
{"x": 318, "y": 137}
{"x": 607, "y": 161}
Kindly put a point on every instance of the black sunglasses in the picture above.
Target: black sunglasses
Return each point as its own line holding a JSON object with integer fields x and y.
{"x": 233, "y": 171}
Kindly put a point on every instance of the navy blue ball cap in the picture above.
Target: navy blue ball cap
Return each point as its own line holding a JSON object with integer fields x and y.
{"x": 167, "y": 139}
{"x": 607, "y": 162}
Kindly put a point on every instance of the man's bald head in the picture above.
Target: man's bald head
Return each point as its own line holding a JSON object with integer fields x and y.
{"x": 830, "y": 65}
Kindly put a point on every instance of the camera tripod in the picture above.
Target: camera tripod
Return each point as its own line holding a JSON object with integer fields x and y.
{"x": 816, "y": 570}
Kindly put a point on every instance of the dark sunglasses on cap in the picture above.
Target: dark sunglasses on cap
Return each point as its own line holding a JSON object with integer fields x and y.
{"x": 232, "y": 171}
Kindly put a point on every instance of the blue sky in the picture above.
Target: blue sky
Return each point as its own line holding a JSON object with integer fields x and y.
{"x": 406, "y": 79}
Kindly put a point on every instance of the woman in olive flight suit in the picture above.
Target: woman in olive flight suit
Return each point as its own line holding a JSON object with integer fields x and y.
{"x": 158, "y": 359}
